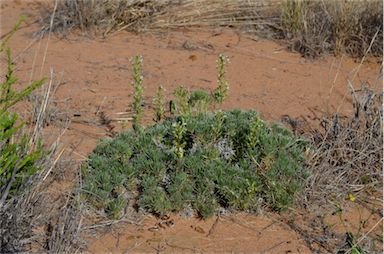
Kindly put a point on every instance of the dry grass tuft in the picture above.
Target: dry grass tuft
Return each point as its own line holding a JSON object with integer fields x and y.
{"x": 33, "y": 222}
{"x": 64, "y": 233}
{"x": 103, "y": 16}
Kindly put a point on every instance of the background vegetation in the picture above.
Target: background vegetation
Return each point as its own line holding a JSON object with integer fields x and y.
{"x": 180, "y": 161}
{"x": 309, "y": 27}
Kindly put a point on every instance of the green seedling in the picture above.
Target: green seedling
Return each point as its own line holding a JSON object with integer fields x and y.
{"x": 158, "y": 104}
{"x": 221, "y": 92}
{"x": 138, "y": 102}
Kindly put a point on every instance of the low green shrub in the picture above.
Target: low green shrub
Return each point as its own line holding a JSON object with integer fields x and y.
{"x": 230, "y": 159}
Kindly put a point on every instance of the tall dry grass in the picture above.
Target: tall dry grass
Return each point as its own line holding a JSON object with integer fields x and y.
{"x": 315, "y": 27}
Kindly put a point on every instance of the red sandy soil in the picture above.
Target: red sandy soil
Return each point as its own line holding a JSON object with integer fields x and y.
{"x": 240, "y": 233}
{"x": 263, "y": 75}
{"x": 234, "y": 234}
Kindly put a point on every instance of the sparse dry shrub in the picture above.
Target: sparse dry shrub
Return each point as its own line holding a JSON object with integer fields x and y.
{"x": 345, "y": 166}
{"x": 348, "y": 152}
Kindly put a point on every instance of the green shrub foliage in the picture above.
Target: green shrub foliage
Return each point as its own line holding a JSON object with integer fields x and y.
{"x": 230, "y": 159}
{"x": 18, "y": 160}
